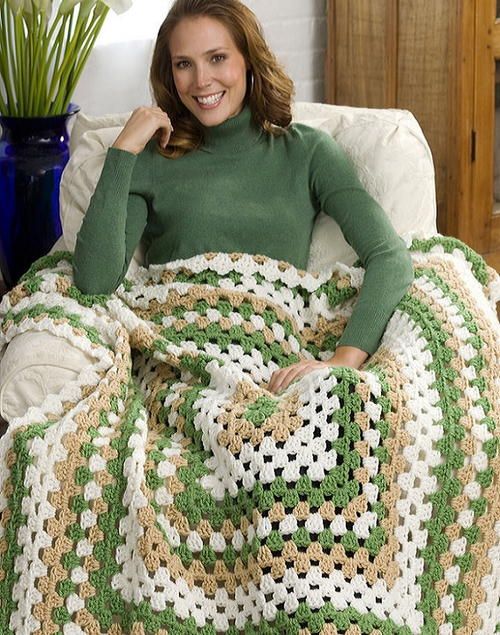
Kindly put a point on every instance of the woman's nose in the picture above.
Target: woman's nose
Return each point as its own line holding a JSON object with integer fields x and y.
{"x": 202, "y": 77}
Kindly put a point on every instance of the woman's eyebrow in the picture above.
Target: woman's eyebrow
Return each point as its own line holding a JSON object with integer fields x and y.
{"x": 219, "y": 48}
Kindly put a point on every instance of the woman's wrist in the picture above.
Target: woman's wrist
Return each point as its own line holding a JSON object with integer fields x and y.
{"x": 348, "y": 356}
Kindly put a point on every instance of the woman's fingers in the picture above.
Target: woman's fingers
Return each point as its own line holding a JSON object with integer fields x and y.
{"x": 282, "y": 378}
{"x": 144, "y": 123}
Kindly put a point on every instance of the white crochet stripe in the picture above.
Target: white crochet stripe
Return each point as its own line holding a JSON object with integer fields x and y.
{"x": 245, "y": 265}
{"x": 253, "y": 364}
{"x": 130, "y": 581}
{"x": 405, "y": 341}
{"x": 479, "y": 431}
{"x": 72, "y": 629}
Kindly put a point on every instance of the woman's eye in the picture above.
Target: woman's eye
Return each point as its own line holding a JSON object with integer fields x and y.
{"x": 219, "y": 58}
{"x": 182, "y": 64}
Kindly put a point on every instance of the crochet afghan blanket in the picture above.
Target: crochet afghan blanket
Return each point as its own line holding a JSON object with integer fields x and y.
{"x": 167, "y": 491}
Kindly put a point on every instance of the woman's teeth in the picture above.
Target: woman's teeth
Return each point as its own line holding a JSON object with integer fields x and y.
{"x": 210, "y": 101}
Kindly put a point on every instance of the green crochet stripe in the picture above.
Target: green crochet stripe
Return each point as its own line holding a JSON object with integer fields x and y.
{"x": 303, "y": 618}
{"x": 335, "y": 294}
{"x": 21, "y": 443}
{"x": 479, "y": 266}
{"x": 443, "y": 513}
{"x": 314, "y": 621}
{"x": 236, "y": 335}
{"x": 49, "y": 261}
{"x": 32, "y": 281}
{"x": 55, "y": 313}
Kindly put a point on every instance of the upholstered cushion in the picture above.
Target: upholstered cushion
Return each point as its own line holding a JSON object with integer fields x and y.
{"x": 387, "y": 147}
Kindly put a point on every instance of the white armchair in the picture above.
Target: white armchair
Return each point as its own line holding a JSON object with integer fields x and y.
{"x": 393, "y": 161}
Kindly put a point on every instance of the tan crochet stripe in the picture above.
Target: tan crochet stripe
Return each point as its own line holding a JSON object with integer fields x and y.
{"x": 467, "y": 474}
{"x": 17, "y": 294}
{"x": 199, "y": 292}
{"x": 323, "y": 328}
{"x": 160, "y": 381}
{"x": 238, "y": 430}
{"x": 62, "y": 284}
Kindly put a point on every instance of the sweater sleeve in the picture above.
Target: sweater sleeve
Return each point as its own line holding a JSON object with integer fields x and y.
{"x": 366, "y": 227}
{"x": 112, "y": 227}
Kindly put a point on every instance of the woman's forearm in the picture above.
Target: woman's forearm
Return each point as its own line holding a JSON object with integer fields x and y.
{"x": 100, "y": 257}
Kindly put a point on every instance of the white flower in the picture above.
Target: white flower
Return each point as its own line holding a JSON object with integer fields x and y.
{"x": 118, "y": 6}
{"x": 67, "y": 6}
{"x": 26, "y": 6}
{"x": 45, "y": 6}
{"x": 19, "y": 5}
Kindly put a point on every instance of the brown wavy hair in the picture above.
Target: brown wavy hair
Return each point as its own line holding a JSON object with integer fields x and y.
{"x": 270, "y": 99}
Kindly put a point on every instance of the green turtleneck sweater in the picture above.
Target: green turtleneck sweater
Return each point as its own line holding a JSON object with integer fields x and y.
{"x": 247, "y": 191}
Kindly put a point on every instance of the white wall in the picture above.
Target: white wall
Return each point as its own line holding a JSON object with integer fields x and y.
{"x": 116, "y": 76}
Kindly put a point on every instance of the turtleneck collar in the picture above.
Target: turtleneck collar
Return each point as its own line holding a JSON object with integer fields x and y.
{"x": 232, "y": 136}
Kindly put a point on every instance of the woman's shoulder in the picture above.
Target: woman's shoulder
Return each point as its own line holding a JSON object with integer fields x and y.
{"x": 307, "y": 135}
{"x": 311, "y": 143}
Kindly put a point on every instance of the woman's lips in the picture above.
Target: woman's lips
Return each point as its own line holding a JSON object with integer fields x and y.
{"x": 210, "y": 106}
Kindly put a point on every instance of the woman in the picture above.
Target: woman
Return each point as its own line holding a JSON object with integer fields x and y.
{"x": 217, "y": 166}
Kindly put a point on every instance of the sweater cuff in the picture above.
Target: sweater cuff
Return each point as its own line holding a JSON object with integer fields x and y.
{"x": 365, "y": 336}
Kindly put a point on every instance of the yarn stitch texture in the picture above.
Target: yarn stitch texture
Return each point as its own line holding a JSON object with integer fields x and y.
{"x": 167, "y": 491}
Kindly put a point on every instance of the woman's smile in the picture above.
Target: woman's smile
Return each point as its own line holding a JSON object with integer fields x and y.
{"x": 209, "y": 102}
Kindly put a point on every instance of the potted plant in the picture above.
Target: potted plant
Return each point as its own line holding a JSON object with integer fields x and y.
{"x": 44, "y": 46}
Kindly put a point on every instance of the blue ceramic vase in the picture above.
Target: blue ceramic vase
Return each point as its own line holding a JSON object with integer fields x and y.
{"x": 33, "y": 154}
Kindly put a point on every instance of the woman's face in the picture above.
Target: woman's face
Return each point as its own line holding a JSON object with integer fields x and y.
{"x": 209, "y": 71}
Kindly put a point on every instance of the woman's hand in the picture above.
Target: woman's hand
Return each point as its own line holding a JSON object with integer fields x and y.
{"x": 143, "y": 124}
{"x": 344, "y": 356}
